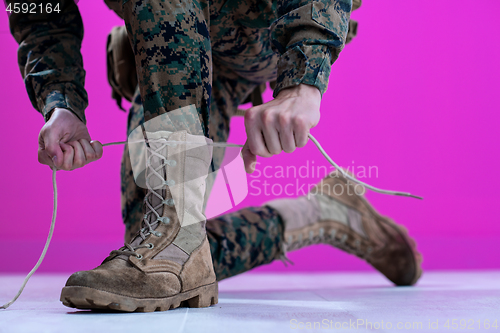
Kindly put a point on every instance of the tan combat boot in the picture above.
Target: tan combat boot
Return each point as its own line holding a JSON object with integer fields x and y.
{"x": 335, "y": 212}
{"x": 168, "y": 264}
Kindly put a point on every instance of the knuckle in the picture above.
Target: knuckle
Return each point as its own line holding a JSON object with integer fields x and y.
{"x": 46, "y": 128}
{"x": 250, "y": 115}
{"x": 267, "y": 117}
{"x": 299, "y": 122}
{"x": 284, "y": 120}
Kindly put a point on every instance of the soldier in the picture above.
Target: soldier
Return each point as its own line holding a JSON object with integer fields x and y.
{"x": 210, "y": 54}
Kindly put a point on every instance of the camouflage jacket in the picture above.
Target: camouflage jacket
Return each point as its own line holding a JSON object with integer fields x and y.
{"x": 308, "y": 36}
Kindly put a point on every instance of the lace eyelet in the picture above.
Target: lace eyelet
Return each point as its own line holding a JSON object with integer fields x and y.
{"x": 139, "y": 256}
{"x": 158, "y": 234}
{"x": 168, "y": 202}
{"x": 169, "y": 183}
{"x": 150, "y": 246}
{"x": 164, "y": 220}
{"x": 344, "y": 238}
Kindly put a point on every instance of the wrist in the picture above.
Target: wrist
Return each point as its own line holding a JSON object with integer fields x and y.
{"x": 61, "y": 111}
{"x": 300, "y": 90}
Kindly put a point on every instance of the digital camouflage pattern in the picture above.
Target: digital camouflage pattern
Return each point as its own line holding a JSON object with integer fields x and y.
{"x": 50, "y": 60}
{"x": 210, "y": 53}
{"x": 245, "y": 239}
{"x": 293, "y": 41}
{"x": 239, "y": 241}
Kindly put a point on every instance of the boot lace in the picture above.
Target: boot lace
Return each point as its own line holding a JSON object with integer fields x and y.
{"x": 148, "y": 228}
{"x": 152, "y": 173}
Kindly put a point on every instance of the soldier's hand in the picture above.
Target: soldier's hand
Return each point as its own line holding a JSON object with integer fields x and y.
{"x": 282, "y": 124}
{"x": 64, "y": 141}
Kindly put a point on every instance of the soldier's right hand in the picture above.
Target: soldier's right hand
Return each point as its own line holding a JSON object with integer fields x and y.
{"x": 64, "y": 141}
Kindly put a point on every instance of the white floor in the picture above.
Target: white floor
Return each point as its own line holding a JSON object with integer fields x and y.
{"x": 357, "y": 302}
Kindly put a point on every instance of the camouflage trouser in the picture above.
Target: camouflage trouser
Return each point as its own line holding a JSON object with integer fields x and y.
{"x": 216, "y": 82}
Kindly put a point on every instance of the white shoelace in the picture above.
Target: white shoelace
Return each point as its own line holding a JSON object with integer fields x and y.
{"x": 215, "y": 144}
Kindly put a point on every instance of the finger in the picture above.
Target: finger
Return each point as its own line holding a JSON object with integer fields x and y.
{"x": 79, "y": 159}
{"x": 249, "y": 159}
{"x": 300, "y": 131}
{"x": 270, "y": 133}
{"x": 253, "y": 128}
{"x": 287, "y": 141}
{"x": 44, "y": 158}
{"x": 272, "y": 141}
{"x": 50, "y": 140}
{"x": 256, "y": 142}
{"x": 67, "y": 160}
{"x": 97, "y": 148}
{"x": 88, "y": 150}
{"x": 285, "y": 132}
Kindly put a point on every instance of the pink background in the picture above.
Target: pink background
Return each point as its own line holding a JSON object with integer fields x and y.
{"x": 416, "y": 94}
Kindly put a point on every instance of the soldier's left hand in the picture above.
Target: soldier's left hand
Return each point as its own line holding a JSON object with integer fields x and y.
{"x": 282, "y": 124}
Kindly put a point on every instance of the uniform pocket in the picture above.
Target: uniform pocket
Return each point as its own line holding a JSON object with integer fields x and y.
{"x": 334, "y": 17}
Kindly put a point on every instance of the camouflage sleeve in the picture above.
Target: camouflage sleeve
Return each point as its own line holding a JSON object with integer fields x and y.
{"x": 49, "y": 56}
{"x": 309, "y": 36}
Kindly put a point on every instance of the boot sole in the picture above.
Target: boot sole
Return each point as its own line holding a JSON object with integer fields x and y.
{"x": 86, "y": 298}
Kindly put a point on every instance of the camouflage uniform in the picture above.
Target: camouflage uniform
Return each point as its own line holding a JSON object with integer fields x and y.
{"x": 210, "y": 53}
